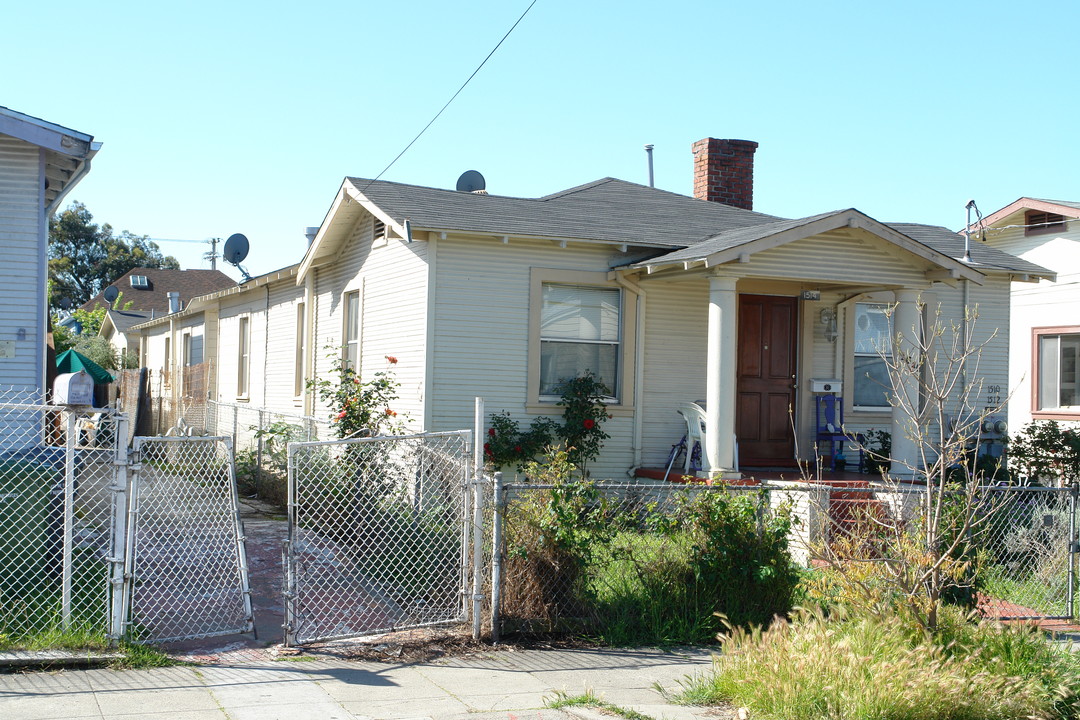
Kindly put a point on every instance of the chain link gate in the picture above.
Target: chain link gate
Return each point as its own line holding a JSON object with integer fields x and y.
{"x": 186, "y": 560}
{"x": 379, "y": 535}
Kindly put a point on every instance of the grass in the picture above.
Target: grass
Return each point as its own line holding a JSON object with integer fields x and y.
{"x": 590, "y": 699}
{"x": 860, "y": 668}
{"x": 1030, "y": 592}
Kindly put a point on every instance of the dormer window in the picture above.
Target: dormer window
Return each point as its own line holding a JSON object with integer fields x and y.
{"x": 1037, "y": 222}
{"x": 140, "y": 281}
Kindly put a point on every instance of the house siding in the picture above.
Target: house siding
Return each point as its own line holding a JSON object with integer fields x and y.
{"x": 481, "y": 333}
{"x": 21, "y": 273}
{"x": 392, "y": 279}
{"x": 1043, "y": 304}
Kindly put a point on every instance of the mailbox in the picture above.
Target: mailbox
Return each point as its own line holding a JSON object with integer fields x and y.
{"x": 826, "y": 385}
{"x": 74, "y": 389}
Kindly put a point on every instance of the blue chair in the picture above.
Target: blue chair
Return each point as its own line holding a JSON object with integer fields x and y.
{"x": 830, "y": 431}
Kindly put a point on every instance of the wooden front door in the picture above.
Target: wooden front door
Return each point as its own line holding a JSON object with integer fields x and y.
{"x": 765, "y": 392}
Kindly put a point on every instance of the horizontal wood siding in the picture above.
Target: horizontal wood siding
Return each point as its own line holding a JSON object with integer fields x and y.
{"x": 850, "y": 257}
{"x": 253, "y": 306}
{"x": 1042, "y": 304}
{"x": 21, "y": 282}
{"x": 676, "y": 340}
{"x": 393, "y": 280}
{"x": 280, "y": 354}
{"x": 480, "y": 335}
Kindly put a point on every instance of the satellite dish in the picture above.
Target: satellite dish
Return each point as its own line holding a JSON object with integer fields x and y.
{"x": 470, "y": 181}
{"x": 236, "y": 249}
{"x": 65, "y": 303}
{"x": 111, "y": 293}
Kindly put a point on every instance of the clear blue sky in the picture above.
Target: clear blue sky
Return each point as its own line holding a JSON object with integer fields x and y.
{"x": 223, "y": 117}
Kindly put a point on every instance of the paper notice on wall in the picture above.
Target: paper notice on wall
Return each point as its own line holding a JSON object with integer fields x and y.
{"x": 7, "y": 349}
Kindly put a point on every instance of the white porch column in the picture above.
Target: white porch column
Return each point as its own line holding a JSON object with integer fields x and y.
{"x": 907, "y": 357}
{"x": 720, "y": 377}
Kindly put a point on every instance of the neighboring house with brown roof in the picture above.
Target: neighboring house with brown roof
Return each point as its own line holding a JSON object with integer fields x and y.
{"x": 668, "y": 298}
{"x": 40, "y": 162}
{"x": 146, "y": 293}
{"x": 1044, "y": 354}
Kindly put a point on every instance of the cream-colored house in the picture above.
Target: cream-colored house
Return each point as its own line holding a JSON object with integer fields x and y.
{"x": 667, "y": 298}
{"x": 1044, "y": 354}
{"x": 40, "y": 162}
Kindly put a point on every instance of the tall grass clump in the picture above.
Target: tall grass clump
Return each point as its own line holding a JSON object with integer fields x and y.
{"x": 868, "y": 668}
{"x": 664, "y": 580}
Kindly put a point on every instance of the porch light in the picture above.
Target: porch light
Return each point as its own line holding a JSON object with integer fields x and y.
{"x": 828, "y": 319}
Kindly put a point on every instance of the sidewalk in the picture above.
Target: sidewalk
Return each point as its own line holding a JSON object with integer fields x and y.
{"x": 511, "y": 685}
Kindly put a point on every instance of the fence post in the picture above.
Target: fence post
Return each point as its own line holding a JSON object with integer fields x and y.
{"x": 258, "y": 453}
{"x": 288, "y": 593}
{"x": 69, "y": 518}
{"x": 118, "y": 541}
{"x": 1074, "y": 545}
{"x": 499, "y": 504}
{"x": 478, "y": 516}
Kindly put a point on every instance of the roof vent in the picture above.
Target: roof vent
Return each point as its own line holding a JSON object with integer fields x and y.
{"x": 174, "y": 302}
{"x": 310, "y": 233}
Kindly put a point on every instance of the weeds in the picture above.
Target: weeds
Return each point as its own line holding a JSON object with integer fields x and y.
{"x": 858, "y": 668}
{"x": 590, "y": 699}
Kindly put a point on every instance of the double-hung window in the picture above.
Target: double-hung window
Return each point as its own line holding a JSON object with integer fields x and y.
{"x": 243, "y": 357}
{"x": 300, "y": 350}
{"x": 580, "y": 331}
{"x": 1057, "y": 370}
{"x": 351, "y": 351}
{"x": 872, "y": 345}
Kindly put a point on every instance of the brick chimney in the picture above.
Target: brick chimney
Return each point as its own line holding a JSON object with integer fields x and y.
{"x": 724, "y": 171}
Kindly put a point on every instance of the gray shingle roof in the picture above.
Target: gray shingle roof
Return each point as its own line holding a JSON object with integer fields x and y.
{"x": 617, "y": 211}
{"x": 983, "y": 257}
{"x": 608, "y": 209}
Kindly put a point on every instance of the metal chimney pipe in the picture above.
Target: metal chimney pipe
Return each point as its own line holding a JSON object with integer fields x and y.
{"x": 648, "y": 151}
{"x": 174, "y": 302}
{"x": 310, "y": 233}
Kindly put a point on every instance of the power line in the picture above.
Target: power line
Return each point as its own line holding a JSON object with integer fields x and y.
{"x": 432, "y": 121}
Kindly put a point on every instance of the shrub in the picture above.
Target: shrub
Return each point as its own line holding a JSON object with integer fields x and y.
{"x": 581, "y": 431}
{"x": 1044, "y": 452}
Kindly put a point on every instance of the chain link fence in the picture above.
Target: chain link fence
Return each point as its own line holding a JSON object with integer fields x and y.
{"x": 59, "y": 498}
{"x": 1028, "y": 558}
{"x": 185, "y": 548}
{"x": 380, "y": 535}
{"x": 600, "y": 559}
{"x": 261, "y": 437}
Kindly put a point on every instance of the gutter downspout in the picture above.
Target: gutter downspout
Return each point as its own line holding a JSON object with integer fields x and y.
{"x": 309, "y": 332}
{"x": 639, "y": 367}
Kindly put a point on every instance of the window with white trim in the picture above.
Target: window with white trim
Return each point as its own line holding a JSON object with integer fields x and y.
{"x": 872, "y": 345}
{"x": 243, "y": 359}
{"x": 301, "y": 351}
{"x": 580, "y": 330}
{"x": 1057, "y": 370}
{"x": 351, "y": 334}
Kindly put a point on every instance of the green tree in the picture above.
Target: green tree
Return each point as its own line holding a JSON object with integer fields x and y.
{"x": 84, "y": 257}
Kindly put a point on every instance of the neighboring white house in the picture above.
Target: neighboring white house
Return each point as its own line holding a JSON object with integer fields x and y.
{"x": 1044, "y": 355}
{"x": 667, "y": 298}
{"x": 40, "y": 162}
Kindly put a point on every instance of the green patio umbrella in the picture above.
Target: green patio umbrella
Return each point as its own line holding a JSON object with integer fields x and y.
{"x": 71, "y": 361}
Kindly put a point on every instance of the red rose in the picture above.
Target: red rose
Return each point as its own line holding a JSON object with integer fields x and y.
{"x": 391, "y": 359}
{"x": 589, "y": 423}
{"x": 517, "y": 449}
{"x": 341, "y": 414}
{"x": 491, "y": 432}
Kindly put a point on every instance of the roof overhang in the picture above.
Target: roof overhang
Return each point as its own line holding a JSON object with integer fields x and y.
{"x": 202, "y": 302}
{"x": 67, "y": 152}
{"x": 348, "y": 206}
{"x": 945, "y": 268}
{"x": 1026, "y": 203}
